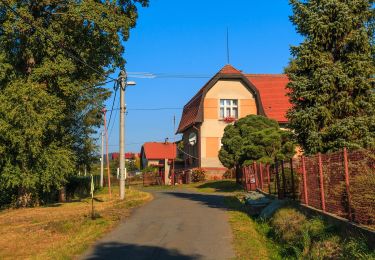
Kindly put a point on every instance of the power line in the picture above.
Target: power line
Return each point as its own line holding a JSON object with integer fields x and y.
{"x": 59, "y": 45}
{"x": 97, "y": 85}
{"x": 171, "y": 76}
{"x": 113, "y": 103}
{"x": 113, "y": 124}
{"x": 165, "y": 108}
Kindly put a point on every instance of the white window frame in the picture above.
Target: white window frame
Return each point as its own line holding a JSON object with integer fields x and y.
{"x": 226, "y": 104}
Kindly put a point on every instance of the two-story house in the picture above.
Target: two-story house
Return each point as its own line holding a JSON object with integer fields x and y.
{"x": 229, "y": 95}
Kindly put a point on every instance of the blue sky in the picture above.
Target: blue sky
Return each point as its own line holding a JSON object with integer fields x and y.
{"x": 189, "y": 38}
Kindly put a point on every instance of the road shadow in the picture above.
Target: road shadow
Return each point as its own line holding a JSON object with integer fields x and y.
{"x": 212, "y": 201}
{"x": 113, "y": 250}
{"x": 222, "y": 186}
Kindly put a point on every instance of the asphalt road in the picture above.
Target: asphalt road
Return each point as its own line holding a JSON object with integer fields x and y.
{"x": 175, "y": 225}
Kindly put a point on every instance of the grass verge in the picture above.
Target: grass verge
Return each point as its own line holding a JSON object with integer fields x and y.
{"x": 249, "y": 240}
{"x": 62, "y": 231}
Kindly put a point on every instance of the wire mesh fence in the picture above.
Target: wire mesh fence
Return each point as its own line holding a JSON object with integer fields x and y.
{"x": 341, "y": 183}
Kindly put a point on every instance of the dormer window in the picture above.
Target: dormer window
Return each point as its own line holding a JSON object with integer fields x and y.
{"x": 228, "y": 108}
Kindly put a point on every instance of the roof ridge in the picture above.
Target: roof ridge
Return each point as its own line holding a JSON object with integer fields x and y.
{"x": 266, "y": 74}
{"x": 229, "y": 69}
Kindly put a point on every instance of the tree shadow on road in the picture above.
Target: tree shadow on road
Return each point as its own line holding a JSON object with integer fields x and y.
{"x": 114, "y": 250}
{"x": 210, "y": 200}
{"x": 222, "y": 186}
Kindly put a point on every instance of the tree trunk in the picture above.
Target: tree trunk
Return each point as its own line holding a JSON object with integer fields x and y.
{"x": 62, "y": 194}
{"x": 237, "y": 169}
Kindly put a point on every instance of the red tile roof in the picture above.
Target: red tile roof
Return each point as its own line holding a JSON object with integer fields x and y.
{"x": 153, "y": 150}
{"x": 190, "y": 112}
{"x": 271, "y": 89}
{"x": 229, "y": 69}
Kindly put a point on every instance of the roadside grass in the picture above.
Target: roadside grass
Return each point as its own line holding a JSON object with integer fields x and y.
{"x": 249, "y": 239}
{"x": 63, "y": 231}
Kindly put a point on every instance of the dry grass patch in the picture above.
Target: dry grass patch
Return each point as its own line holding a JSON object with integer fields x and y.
{"x": 62, "y": 231}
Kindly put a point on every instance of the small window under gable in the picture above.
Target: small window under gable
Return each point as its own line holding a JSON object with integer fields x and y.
{"x": 228, "y": 108}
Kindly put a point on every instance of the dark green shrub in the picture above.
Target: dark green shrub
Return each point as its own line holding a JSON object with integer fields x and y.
{"x": 229, "y": 174}
{"x": 198, "y": 175}
{"x": 78, "y": 186}
{"x": 357, "y": 249}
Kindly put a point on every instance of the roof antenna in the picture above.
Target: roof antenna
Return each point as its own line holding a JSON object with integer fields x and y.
{"x": 228, "y": 60}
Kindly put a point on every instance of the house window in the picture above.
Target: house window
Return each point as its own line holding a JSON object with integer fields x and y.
{"x": 228, "y": 108}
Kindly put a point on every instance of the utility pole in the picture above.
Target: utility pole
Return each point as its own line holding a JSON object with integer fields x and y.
{"x": 123, "y": 78}
{"x": 123, "y": 84}
{"x": 102, "y": 162}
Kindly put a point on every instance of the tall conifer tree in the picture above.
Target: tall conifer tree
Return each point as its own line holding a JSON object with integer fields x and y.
{"x": 331, "y": 72}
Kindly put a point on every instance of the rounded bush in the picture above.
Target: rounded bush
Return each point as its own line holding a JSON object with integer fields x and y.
{"x": 327, "y": 249}
{"x": 289, "y": 225}
{"x": 198, "y": 175}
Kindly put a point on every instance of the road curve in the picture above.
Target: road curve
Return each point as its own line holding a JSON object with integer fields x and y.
{"x": 175, "y": 225}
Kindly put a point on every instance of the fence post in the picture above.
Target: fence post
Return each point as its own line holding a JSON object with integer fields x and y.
{"x": 291, "y": 172}
{"x": 268, "y": 178}
{"x": 347, "y": 183}
{"x": 261, "y": 176}
{"x": 277, "y": 179}
{"x": 321, "y": 180}
{"x": 283, "y": 178}
{"x": 304, "y": 181}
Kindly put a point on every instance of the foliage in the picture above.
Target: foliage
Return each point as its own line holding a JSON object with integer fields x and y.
{"x": 357, "y": 249}
{"x": 289, "y": 225}
{"x": 254, "y": 138}
{"x": 304, "y": 238}
{"x": 150, "y": 169}
{"x": 248, "y": 242}
{"x": 331, "y": 73}
{"x": 327, "y": 249}
{"x": 229, "y": 174}
{"x": 362, "y": 191}
{"x": 137, "y": 162}
{"x": 198, "y": 175}
{"x": 49, "y": 104}
{"x": 78, "y": 186}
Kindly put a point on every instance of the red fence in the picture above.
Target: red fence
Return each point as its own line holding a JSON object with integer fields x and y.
{"x": 341, "y": 183}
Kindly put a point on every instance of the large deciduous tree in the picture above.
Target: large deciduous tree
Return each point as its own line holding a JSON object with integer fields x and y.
{"x": 331, "y": 73}
{"x": 254, "y": 138}
{"x": 52, "y": 54}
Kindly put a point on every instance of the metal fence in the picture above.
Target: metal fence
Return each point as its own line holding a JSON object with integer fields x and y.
{"x": 341, "y": 183}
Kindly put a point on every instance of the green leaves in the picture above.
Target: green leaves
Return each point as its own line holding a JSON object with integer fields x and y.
{"x": 49, "y": 52}
{"x": 330, "y": 74}
{"x": 255, "y": 138}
